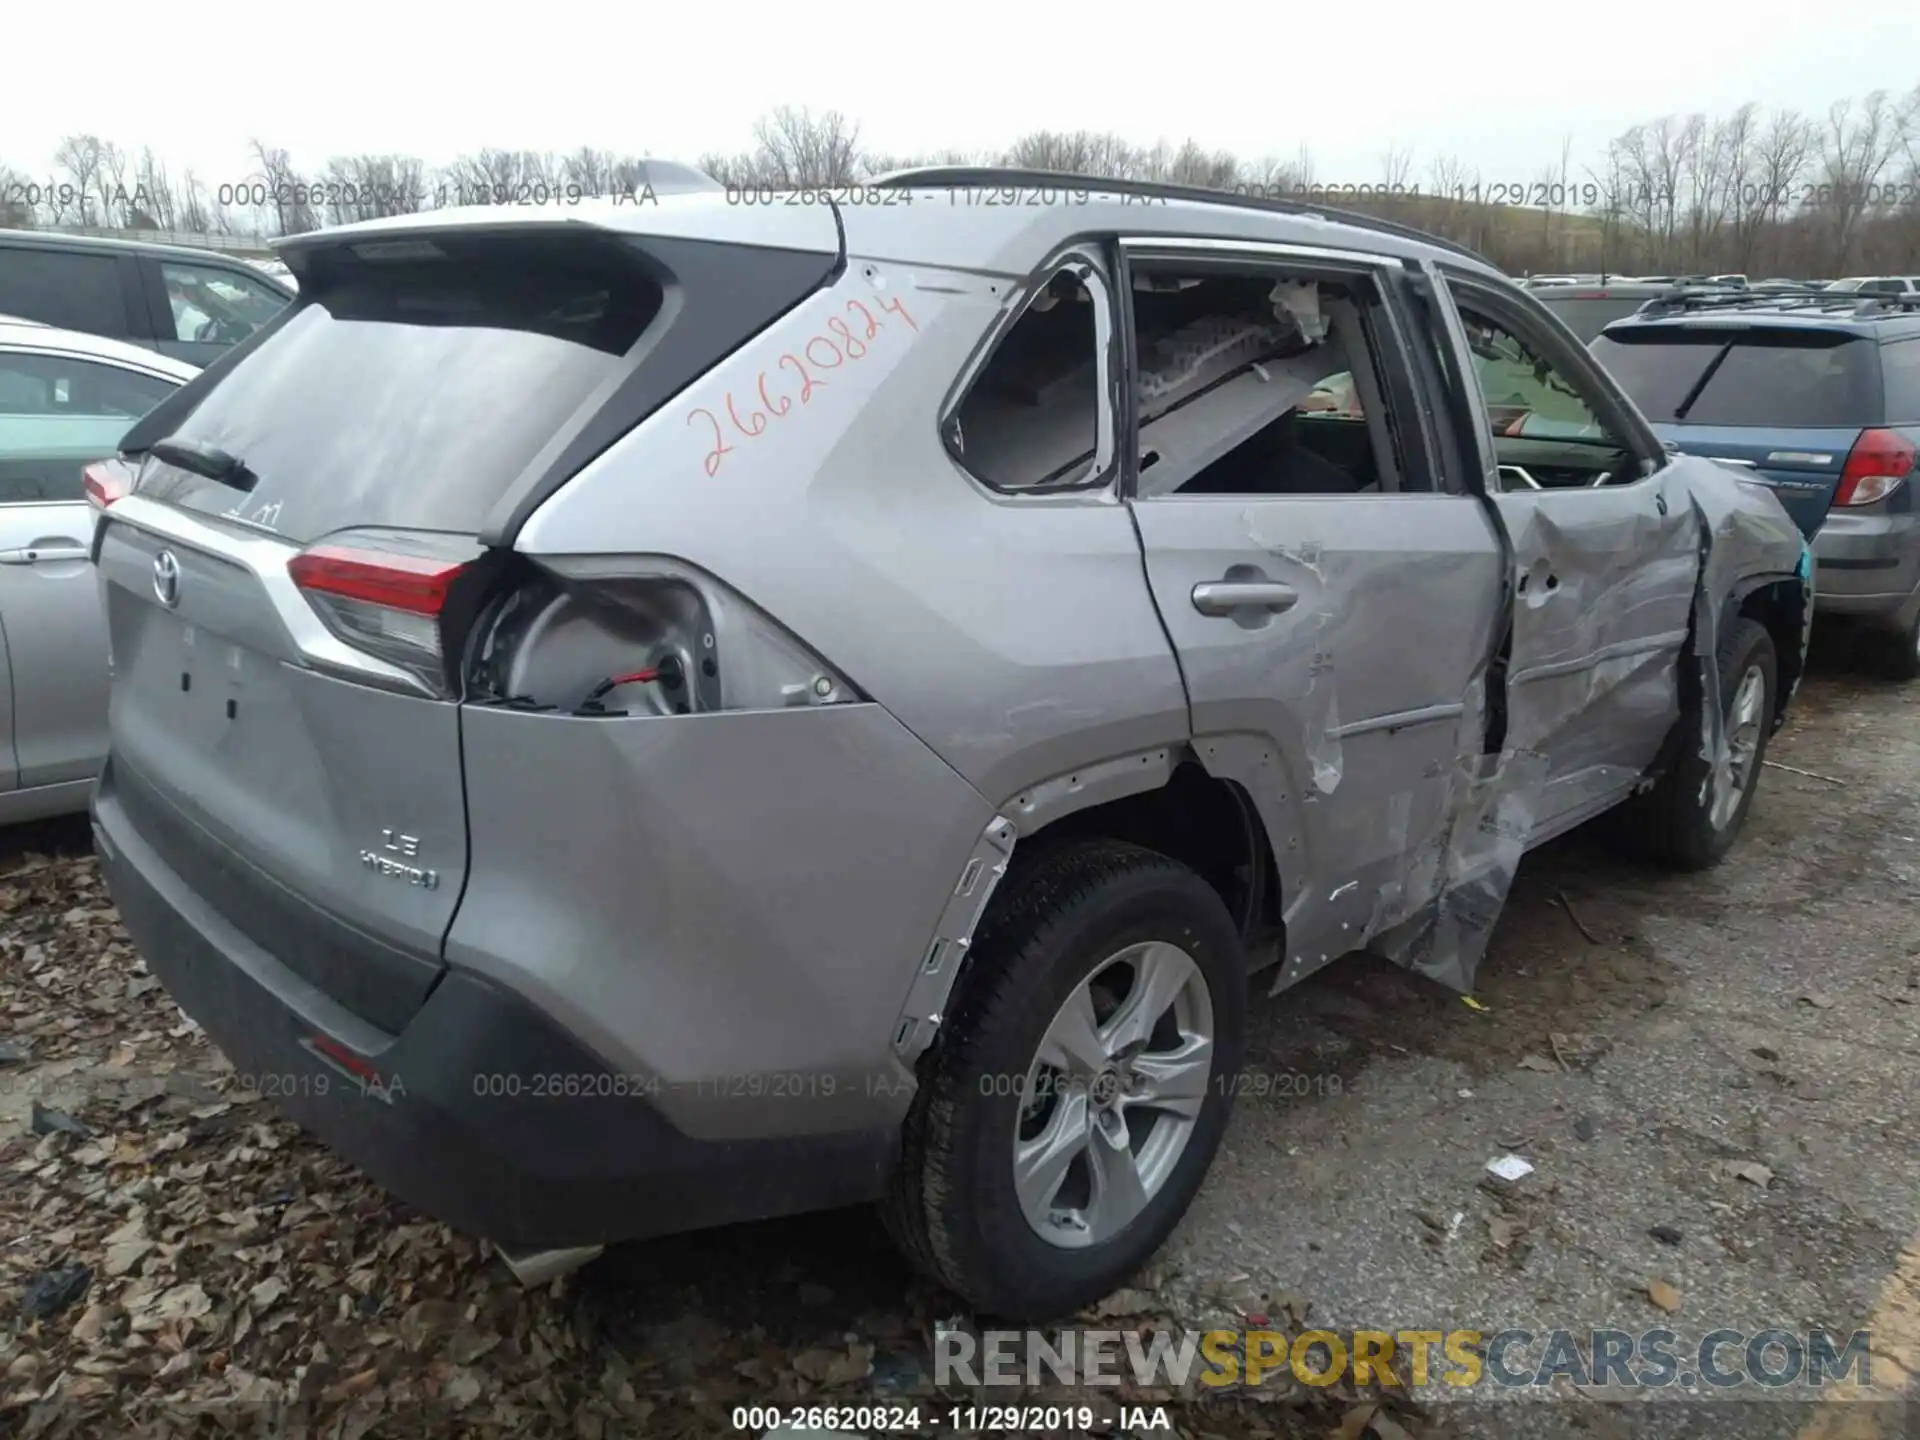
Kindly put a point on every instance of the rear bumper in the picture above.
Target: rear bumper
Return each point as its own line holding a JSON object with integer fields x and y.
{"x": 486, "y": 1115}
{"x": 1868, "y": 564}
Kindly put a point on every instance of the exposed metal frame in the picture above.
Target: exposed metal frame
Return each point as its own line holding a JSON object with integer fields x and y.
{"x": 923, "y": 1011}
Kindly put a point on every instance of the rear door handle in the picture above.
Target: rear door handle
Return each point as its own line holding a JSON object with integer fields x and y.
{"x": 1223, "y": 597}
{"x": 43, "y": 554}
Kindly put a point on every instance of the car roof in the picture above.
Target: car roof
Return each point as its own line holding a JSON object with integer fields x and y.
{"x": 113, "y": 245}
{"x": 961, "y": 217}
{"x": 34, "y": 335}
{"x": 1625, "y": 289}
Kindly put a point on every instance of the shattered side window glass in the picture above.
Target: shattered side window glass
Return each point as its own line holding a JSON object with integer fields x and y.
{"x": 1031, "y": 419}
{"x": 1520, "y": 388}
{"x": 1246, "y": 385}
{"x": 1546, "y": 436}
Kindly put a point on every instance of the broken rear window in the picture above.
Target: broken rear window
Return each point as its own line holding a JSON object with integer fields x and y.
{"x": 1031, "y": 419}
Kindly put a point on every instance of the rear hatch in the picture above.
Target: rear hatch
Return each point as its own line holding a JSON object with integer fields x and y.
{"x": 288, "y": 579}
{"x": 1783, "y": 402}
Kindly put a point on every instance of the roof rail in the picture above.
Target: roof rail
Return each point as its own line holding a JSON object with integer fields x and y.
{"x": 1878, "y": 303}
{"x": 1683, "y": 299}
{"x": 937, "y": 177}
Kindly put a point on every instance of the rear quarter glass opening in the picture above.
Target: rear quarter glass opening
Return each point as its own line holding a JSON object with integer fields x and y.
{"x": 1777, "y": 378}
{"x": 411, "y": 389}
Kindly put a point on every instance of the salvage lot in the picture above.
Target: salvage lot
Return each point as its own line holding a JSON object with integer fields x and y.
{"x": 1646, "y": 1042}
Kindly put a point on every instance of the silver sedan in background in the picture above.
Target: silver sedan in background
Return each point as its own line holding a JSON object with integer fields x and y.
{"x": 65, "y": 401}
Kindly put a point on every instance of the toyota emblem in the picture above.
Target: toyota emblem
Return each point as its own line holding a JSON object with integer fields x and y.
{"x": 166, "y": 578}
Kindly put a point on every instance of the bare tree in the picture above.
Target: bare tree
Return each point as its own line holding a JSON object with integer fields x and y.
{"x": 1191, "y": 165}
{"x": 154, "y": 207}
{"x": 499, "y": 177}
{"x": 83, "y": 160}
{"x": 1612, "y": 192}
{"x": 797, "y": 148}
{"x": 1396, "y": 169}
{"x": 371, "y": 187}
{"x": 16, "y": 213}
{"x": 1271, "y": 176}
{"x": 734, "y": 171}
{"x": 1075, "y": 152}
{"x": 1708, "y": 193}
{"x": 289, "y": 197}
{"x": 878, "y": 163}
{"x": 196, "y": 215}
{"x": 1856, "y": 145}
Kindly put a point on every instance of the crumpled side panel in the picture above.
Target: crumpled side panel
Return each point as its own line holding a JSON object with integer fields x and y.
{"x": 1657, "y": 569}
{"x": 1315, "y": 700}
{"x": 1471, "y": 865}
{"x": 1570, "y": 685}
{"x": 1578, "y": 588}
{"x": 1706, "y": 625}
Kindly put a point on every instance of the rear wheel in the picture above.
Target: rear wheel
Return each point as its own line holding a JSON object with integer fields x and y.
{"x": 1079, "y": 1090}
{"x": 1691, "y": 818}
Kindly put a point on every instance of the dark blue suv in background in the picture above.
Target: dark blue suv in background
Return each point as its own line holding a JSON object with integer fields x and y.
{"x": 1819, "y": 396}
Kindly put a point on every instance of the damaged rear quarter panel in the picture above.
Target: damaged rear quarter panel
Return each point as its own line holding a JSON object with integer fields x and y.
{"x": 1013, "y": 636}
{"x": 635, "y": 877}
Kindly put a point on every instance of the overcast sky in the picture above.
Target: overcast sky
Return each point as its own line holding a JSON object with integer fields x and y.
{"x": 195, "y": 81}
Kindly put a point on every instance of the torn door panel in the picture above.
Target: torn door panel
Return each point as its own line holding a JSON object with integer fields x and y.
{"x": 1602, "y": 597}
{"x": 1363, "y": 702}
{"x": 1497, "y": 804}
{"x": 1720, "y": 535}
{"x": 1741, "y": 537}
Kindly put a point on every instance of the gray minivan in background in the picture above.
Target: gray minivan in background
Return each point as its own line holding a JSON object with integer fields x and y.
{"x": 1588, "y": 309}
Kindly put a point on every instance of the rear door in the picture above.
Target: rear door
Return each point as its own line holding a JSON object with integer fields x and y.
{"x": 1785, "y": 402}
{"x": 201, "y": 310}
{"x": 58, "y": 412}
{"x": 286, "y": 581}
{"x": 1329, "y": 601}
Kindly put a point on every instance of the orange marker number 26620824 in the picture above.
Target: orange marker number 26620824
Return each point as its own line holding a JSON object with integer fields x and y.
{"x": 846, "y": 338}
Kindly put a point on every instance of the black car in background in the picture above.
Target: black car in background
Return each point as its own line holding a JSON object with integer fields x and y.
{"x": 1588, "y": 309}
{"x": 190, "y": 304}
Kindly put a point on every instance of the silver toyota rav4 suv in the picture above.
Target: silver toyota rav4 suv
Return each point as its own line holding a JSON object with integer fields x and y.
{"x": 671, "y": 713}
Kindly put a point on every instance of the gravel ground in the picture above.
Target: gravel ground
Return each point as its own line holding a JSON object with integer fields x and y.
{"x": 1727, "y": 1060}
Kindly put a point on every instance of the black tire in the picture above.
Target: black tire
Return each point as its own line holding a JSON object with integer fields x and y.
{"x": 1672, "y": 824}
{"x": 953, "y": 1208}
{"x": 1898, "y": 651}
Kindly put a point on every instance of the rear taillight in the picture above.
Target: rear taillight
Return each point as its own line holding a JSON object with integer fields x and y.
{"x": 104, "y": 484}
{"x": 387, "y": 603}
{"x": 412, "y": 583}
{"x": 1878, "y": 463}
